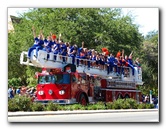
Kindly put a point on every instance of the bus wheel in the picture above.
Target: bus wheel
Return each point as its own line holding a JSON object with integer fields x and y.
{"x": 83, "y": 100}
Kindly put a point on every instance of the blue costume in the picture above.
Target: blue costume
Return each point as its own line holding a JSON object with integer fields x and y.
{"x": 63, "y": 51}
{"x": 10, "y": 93}
{"x": 38, "y": 45}
{"x": 56, "y": 50}
{"x": 71, "y": 49}
{"x": 48, "y": 47}
{"x": 78, "y": 55}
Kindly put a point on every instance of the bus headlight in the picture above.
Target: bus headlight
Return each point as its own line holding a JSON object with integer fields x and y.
{"x": 61, "y": 92}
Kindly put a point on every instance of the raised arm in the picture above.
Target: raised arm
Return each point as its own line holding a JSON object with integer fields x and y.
{"x": 34, "y": 31}
{"x": 83, "y": 44}
{"x": 51, "y": 36}
{"x": 130, "y": 56}
{"x": 123, "y": 53}
{"x": 60, "y": 36}
{"x": 41, "y": 33}
{"x": 50, "y": 33}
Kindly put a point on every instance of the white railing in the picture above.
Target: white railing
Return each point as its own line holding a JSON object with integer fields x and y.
{"x": 41, "y": 61}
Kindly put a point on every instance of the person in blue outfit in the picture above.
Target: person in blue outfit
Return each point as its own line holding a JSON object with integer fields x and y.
{"x": 72, "y": 52}
{"x": 63, "y": 51}
{"x": 130, "y": 63}
{"x": 111, "y": 63}
{"x": 10, "y": 92}
{"x": 48, "y": 45}
{"x": 38, "y": 44}
{"x": 18, "y": 90}
{"x": 56, "y": 49}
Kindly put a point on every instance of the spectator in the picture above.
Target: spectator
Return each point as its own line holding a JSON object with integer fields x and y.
{"x": 10, "y": 92}
{"x": 18, "y": 91}
{"x": 147, "y": 100}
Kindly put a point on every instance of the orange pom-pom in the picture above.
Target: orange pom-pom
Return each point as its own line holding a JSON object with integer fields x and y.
{"x": 118, "y": 54}
{"x": 104, "y": 49}
{"x": 53, "y": 36}
{"x": 107, "y": 53}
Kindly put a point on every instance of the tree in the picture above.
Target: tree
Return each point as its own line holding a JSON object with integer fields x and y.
{"x": 150, "y": 63}
{"x": 97, "y": 27}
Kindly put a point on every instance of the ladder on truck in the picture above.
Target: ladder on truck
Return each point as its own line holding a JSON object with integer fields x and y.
{"x": 42, "y": 62}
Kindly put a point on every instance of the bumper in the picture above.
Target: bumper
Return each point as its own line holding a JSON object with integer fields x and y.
{"x": 56, "y": 101}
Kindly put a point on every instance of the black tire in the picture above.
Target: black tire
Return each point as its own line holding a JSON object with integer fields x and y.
{"x": 127, "y": 96}
{"x": 83, "y": 100}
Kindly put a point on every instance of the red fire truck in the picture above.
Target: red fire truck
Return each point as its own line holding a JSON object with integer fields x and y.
{"x": 68, "y": 84}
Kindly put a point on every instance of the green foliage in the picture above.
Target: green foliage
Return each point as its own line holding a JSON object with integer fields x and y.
{"x": 118, "y": 104}
{"x": 76, "y": 106}
{"x": 127, "y": 103}
{"x": 37, "y": 107}
{"x": 149, "y": 60}
{"x": 145, "y": 106}
{"x": 97, "y": 27}
{"x": 12, "y": 107}
{"x": 19, "y": 103}
{"x": 51, "y": 106}
{"x": 22, "y": 103}
{"x": 109, "y": 105}
{"x": 100, "y": 105}
{"x": 14, "y": 82}
{"x": 142, "y": 106}
{"x": 132, "y": 102}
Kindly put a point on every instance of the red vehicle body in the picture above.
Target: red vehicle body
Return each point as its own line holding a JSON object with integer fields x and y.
{"x": 64, "y": 83}
{"x": 69, "y": 87}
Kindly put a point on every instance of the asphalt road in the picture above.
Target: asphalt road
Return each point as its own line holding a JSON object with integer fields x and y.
{"x": 144, "y": 116}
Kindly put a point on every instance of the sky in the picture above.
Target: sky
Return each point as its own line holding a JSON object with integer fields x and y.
{"x": 146, "y": 18}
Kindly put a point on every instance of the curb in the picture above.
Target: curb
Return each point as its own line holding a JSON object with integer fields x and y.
{"x": 40, "y": 113}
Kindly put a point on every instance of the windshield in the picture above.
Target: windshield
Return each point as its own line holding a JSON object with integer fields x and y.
{"x": 58, "y": 79}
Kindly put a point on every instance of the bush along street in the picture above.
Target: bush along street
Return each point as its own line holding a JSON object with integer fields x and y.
{"x": 24, "y": 103}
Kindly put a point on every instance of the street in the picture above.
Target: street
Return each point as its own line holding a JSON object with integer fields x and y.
{"x": 150, "y": 116}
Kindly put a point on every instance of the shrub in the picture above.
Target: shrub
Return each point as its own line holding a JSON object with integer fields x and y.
{"x": 100, "y": 105}
{"x": 118, "y": 104}
{"x": 91, "y": 107}
{"x": 14, "y": 82}
{"x": 126, "y": 105}
{"x": 51, "y": 107}
{"x": 76, "y": 106}
{"x": 109, "y": 105}
{"x": 12, "y": 107}
{"x": 37, "y": 107}
{"x": 141, "y": 106}
{"x": 132, "y": 102}
{"x": 68, "y": 107}
{"x": 149, "y": 106}
{"x": 60, "y": 107}
{"x": 19, "y": 103}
